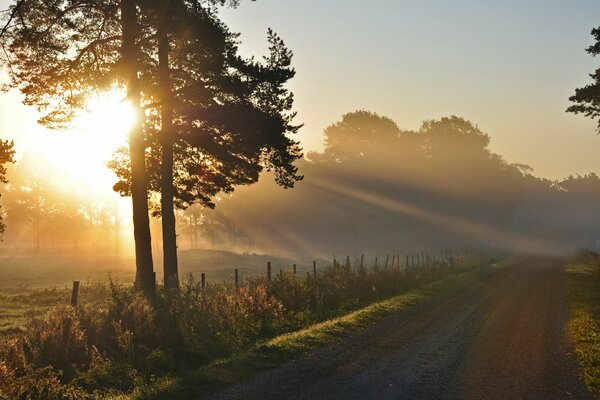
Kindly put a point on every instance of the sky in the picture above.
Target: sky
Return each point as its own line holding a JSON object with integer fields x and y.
{"x": 507, "y": 66}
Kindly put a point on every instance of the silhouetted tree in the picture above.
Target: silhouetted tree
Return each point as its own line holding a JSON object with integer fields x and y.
{"x": 586, "y": 185}
{"x": 357, "y": 133}
{"x": 7, "y": 154}
{"x": 218, "y": 119}
{"x": 60, "y": 53}
{"x": 587, "y": 98}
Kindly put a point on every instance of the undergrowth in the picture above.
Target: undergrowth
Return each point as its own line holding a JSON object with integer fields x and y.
{"x": 584, "y": 323}
{"x": 119, "y": 344}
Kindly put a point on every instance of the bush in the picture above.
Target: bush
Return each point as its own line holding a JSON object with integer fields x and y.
{"x": 57, "y": 340}
{"x": 124, "y": 326}
{"x": 219, "y": 319}
{"x": 123, "y": 343}
{"x": 587, "y": 257}
{"x": 293, "y": 293}
{"x": 37, "y": 384}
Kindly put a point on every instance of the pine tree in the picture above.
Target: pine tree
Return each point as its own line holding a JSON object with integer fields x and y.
{"x": 587, "y": 98}
{"x": 7, "y": 154}
{"x": 219, "y": 120}
{"x": 62, "y": 52}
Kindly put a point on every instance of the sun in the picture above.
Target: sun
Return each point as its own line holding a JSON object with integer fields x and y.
{"x": 106, "y": 121}
{"x": 98, "y": 130}
{"x": 74, "y": 161}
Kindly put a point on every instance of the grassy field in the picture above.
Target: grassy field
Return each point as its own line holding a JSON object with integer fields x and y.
{"x": 583, "y": 279}
{"x": 117, "y": 343}
{"x": 27, "y": 271}
{"x": 276, "y": 351}
{"x": 273, "y": 352}
{"x": 32, "y": 284}
{"x": 17, "y": 306}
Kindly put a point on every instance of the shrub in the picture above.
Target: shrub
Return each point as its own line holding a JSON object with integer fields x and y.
{"x": 124, "y": 326}
{"x": 293, "y": 293}
{"x": 587, "y": 257}
{"x": 219, "y": 319}
{"x": 105, "y": 374}
{"x": 36, "y": 384}
{"x": 57, "y": 340}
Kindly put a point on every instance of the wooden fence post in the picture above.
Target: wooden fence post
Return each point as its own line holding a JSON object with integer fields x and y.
{"x": 347, "y": 261}
{"x": 269, "y": 271}
{"x": 237, "y": 282}
{"x": 315, "y": 270}
{"x": 203, "y": 280}
{"x": 294, "y": 269}
{"x": 362, "y": 259}
{"x": 387, "y": 260}
{"x": 75, "y": 293}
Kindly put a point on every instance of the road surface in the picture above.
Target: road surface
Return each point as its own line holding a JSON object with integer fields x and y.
{"x": 502, "y": 338}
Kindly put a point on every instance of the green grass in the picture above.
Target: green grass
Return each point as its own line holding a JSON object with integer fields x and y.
{"x": 584, "y": 322}
{"x": 17, "y": 306}
{"x": 274, "y": 352}
{"x": 154, "y": 367}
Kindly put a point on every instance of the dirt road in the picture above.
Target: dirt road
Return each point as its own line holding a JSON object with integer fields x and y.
{"x": 500, "y": 339}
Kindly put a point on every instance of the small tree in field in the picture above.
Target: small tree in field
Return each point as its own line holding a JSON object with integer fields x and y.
{"x": 587, "y": 98}
{"x": 7, "y": 154}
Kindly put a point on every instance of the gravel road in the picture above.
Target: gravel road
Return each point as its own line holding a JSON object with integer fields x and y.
{"x": 502, "y": 338}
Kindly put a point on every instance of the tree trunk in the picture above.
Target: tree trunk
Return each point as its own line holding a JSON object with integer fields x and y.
{"x": 171, "y": 275}
{"x": 145, "y": 280}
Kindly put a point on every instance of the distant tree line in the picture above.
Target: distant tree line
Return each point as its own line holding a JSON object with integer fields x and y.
{"x": 376, "y": 186}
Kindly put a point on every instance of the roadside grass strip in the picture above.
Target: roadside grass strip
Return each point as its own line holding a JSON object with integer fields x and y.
{"x": 584, "y": 322}
{"x": 274, "y": 352}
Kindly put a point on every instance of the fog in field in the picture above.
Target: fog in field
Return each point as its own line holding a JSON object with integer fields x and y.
{"x": 374, "y": 189}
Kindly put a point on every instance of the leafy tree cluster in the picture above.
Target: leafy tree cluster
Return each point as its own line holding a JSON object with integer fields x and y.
{"x": 7, "y": 154}
{"x": 45, "y": 218}
{"x": 209, "y": 120}
{"x": 376, "y": 187}
{"x": 587, "y": 98}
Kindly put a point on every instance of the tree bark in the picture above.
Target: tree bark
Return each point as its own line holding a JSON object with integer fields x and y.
{"x": 145, "y": 280}
{"x": 171, "y": 275}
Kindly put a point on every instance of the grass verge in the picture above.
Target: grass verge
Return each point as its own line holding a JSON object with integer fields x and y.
{"x": 584, "y": 321}
{"x": 274, "y": 352}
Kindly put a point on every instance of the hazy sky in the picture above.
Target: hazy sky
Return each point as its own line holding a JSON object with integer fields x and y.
{"x": 508, "y": 66}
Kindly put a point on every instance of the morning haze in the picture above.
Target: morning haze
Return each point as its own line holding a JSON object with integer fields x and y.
{"x": 239, "y": 199}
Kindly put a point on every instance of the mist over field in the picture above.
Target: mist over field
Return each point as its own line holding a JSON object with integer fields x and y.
{"x": 375, "y": 189}
{"x": 231, "y": 199}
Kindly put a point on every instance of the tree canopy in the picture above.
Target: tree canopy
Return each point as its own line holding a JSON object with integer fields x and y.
{"x": 7, "y": 154}
{"x": 587, "y": 98}
{"x": 209, "y": 119}
{"x": 232, "y": 118}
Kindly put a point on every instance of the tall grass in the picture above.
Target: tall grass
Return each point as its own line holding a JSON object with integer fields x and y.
{"x": 121, "y": 342}
{"x": 583, "y": 280}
